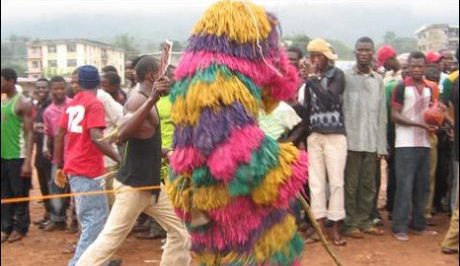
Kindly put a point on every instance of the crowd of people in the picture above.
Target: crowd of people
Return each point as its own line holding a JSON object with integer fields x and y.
{"x": 348, "y": 121}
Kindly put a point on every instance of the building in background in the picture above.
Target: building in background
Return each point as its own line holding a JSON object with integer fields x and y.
{"x": 436, "y": 37}
{"x": 60, "y": 57}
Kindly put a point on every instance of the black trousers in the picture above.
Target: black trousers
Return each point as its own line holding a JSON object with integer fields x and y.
{"x": 43, "y": 167}
{"x": 15, "y": 216}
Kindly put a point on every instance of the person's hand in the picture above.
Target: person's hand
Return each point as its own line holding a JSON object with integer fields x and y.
{"x": 60, "y": 179}
{"x": 47, "y": 155}
{"x": 119, "y": 159}
{"x": 160, "y": 88}
{"x": 26, "y": 170}
{"x": 429, "y": 128}
{"x": 38, "y": 127}
{"x": 169, "y": 154}
{"x": 381, "y": 157}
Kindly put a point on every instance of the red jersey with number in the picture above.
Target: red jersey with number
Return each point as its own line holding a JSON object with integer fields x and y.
{"x": 82, "y": 157}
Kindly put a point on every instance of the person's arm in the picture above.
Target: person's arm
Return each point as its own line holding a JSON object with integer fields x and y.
{"x": 47, "y": 146}
{"x": 59, "y": 147}
{"x": 135, "y": 120}
{"x": 399, "y": 118}
{"x": 47, "y": 137}
{"x": 382, "y": 123}
{"x": 60, "y": 179}
{"x": 397, "y": 102}
{"x": 329, "y": 89}
{"x": 104, "y": 146}
{"x": 26, "y": 111}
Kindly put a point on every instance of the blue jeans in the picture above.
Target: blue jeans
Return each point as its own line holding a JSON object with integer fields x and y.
{"x": 412, "y": 168}
{"x": 92, "y": 212}
{"x": 58, "y": 206}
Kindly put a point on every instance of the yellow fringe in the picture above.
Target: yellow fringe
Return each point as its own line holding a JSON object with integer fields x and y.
{"x": 211, "y": 197}
{"x": 235, "y": 21}
{"x": 267, "y": 192}
{"x": 180, "y": 197}
{"x": 268, "y": 102}
{"x": 275, "y": 239}
{"x": 223, "y": 91}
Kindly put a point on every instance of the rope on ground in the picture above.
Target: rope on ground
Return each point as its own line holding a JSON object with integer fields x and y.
{"x": 67, "y": 195}
{"x": 318, "y": 230}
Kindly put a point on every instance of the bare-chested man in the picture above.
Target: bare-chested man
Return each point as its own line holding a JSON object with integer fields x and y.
{"x": 141, "y": 167}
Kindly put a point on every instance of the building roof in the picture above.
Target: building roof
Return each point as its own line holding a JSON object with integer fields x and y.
{"x": 77, "y": 40}
{"x": 434, "y": 26}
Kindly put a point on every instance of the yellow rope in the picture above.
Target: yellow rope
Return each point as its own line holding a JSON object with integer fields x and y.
{"x": 67, "y": 195}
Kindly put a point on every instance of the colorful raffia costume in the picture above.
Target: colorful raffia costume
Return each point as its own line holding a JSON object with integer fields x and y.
{"x": 224, "y": 167}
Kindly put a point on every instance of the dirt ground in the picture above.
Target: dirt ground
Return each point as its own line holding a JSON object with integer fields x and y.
{"x": 41, "y": 248}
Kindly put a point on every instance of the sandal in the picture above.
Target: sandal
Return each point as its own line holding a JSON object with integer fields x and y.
{"x": 339, "y": 241}
{"x": 354, "y": 233}
{"x": 314, "y": 238}
{"x": 374, "y": 231}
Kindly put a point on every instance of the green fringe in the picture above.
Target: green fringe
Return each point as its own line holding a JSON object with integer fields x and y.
{"x": 249, "y": 176}
{"x": 208, "y": 75}
{"x": 295, "y": 249}
{"x": 201, "y": 177}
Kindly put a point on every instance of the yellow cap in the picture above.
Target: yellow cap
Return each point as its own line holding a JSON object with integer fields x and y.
{"x": 321, "y": 46}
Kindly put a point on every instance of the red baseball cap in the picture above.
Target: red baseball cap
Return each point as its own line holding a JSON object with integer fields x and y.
{"x": 433, "y": 57}
{"x": 384, "y": 53}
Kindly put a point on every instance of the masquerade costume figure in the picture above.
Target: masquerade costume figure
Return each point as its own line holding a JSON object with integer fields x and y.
{"x": 229, "y": 182}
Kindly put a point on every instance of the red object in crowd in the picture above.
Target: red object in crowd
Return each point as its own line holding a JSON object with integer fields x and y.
{"x": 434, "y": 115}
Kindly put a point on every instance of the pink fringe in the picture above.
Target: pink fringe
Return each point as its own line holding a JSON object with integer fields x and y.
{"x": 295, "y": 183}
{"x": 224, "y": 160}
{"x": 234, "y": 223}
{"x": 185, "y": 159}
{"x": 283, "y": 87}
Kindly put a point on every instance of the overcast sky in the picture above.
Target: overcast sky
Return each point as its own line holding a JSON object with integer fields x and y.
{"x": 28, "y": 9}
{"x": 328, "y": 18}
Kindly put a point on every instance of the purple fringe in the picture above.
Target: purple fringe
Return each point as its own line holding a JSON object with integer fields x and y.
{"x": 183, "y": 136}
{"x": 213, "y": 128}
{"x": 221, "y": 44}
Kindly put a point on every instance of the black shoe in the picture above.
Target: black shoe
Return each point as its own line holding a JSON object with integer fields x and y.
{"x": 115, "y": 262}
{"x": 155, "y": 232}
{"x": 142, "y": 227}
{"x": 61, "y": 226}
{"x": 5, "y": 237}
{"x": 40, "y": 222}
{"x": 43, "y": 225}
{"x": 15, "y": 236}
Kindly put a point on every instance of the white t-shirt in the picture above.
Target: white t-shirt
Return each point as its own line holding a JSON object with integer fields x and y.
{"x": 113, "y": 117}
{"x": 280, "y": 120}
{"x": 413, "y": 105}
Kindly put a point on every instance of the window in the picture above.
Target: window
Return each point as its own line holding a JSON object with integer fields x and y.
{"x": 51, "y": 49}
{"x": 71, "y": 62}
{"x": 35, "y": 64}
{"x": 36, "y": 50}
{"x": 52, "y": 63}
{"x": 71, "y": 48}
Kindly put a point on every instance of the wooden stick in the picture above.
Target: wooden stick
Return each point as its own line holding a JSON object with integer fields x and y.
{"x": 318, "y": 230}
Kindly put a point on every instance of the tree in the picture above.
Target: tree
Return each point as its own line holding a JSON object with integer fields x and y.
{"x": 389, "y": 37}
{"x": 299, "y": 40}
{"x": 127, "y": 42}
{"x": 14, "y": 54}
{"x": 343, "y": 51}
{"x": 401, "y": 44}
